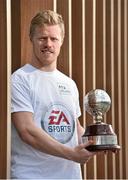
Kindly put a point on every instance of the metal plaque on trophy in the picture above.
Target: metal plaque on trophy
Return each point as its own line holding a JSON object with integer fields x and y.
{"x": 97, "y": 102}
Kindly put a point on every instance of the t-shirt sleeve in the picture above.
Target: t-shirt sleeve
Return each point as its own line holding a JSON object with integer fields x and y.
{"x": 77, "y": 103}
{"x": 20, "y": 97}
{"x": 78, "y": 110}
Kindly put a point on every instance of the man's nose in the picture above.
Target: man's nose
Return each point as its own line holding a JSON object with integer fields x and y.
{"x": 48, "y": 42}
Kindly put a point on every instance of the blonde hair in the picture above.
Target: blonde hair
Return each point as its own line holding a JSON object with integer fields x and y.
{"x": 46, "y": 17}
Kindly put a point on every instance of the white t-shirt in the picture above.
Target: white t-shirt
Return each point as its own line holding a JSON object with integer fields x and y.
{"x": 53, "y": 99}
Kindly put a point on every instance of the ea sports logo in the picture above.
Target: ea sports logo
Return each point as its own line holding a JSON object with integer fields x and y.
{"x": 59, "y": 123}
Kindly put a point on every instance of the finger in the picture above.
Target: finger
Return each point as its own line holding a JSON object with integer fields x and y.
{"x": 85, "y": 145}
{"x": 114, "y": 151}
{"x": 105, "y": 152}
{"x": 90, "y": 142}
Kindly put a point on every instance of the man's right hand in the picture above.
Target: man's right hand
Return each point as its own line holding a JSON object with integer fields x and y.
{"x": 81, "y": 155}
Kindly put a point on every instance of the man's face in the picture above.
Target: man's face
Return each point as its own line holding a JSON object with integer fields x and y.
{"x": 47, "y": 41}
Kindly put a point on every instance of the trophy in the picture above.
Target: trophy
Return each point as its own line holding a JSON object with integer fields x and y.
{"x": 97, "y": 102}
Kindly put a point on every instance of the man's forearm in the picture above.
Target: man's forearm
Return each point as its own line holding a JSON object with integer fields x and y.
{"x": 43, "y": 142}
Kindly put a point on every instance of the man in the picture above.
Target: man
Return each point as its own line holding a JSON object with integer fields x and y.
{"x": 46, "y": 133}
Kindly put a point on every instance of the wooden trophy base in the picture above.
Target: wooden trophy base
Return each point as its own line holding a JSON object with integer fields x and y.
{"x": 95, "y": 148}
{"x": 103, "y": 137}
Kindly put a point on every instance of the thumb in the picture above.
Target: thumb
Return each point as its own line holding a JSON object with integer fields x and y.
{"x": 84, "y": 145}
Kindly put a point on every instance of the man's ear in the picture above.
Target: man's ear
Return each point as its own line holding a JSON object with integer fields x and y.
{"x": 62, "y": 41}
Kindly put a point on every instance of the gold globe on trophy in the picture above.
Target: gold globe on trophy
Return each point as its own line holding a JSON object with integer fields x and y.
{"x": 97, "y": 102}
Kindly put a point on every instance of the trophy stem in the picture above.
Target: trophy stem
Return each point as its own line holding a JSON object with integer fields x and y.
{"x": 98, "y": 118}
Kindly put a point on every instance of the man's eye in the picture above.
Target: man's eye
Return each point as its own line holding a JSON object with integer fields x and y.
{"x": 54, "y": 39}
{"x": 43, "y": 38}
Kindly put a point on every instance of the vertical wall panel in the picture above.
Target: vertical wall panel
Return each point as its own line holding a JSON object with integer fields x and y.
{"x": 99, "y": 43}
{"x": 99, "y": 69}
{"x": 77, "y": 50}
{"x": 9, "y": 52}
{"x": 3, "y": 91}
{"x": 64, "y": 60}
{"x": 90, "y": 169}
{"x": 122, "y": 87}
{"x": 16, "y": 34}
{"x": 108, "y": 70}
{"x": 88, "y": 44}
{"x": 77, "y": 61}
{"x": 126, "y": 83}
{"x": 113, "y": 171}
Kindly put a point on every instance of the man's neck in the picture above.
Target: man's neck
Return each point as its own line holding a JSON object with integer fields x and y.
{"x": 47, "y": 68}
